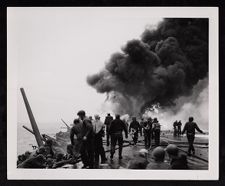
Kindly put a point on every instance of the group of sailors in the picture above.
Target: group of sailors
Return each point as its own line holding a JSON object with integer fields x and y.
{"x": 177, "y": 128}
{"x": 86, "y": 136}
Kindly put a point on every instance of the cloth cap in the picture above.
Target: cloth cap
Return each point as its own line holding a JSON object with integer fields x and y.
{"x": 81, "y": 113}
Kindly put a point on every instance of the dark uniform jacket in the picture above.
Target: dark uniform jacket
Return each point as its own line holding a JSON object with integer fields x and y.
{"x": 190, "y": 128}
{"x": 135, "y": 125}
{"x": 175, "y": 124}
{"x": 179, "y": 124}
{"x": 117, "y": 126}
{"x": 82, "y": 129}
{"x": 108, "y": 120}
{"x": 138, "y": 163}
{"x": 156, "y": 126}
{"x": 179, "y": 162}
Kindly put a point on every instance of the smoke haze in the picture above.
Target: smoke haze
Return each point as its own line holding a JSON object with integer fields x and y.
{"x": 195, "y": 105}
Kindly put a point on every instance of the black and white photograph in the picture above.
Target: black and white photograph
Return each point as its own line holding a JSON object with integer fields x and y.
{"x": 112, "y": 93}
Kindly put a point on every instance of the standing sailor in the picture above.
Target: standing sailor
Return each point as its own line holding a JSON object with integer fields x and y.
{"x": 107, "y": 122}
{"x": 156, "y": 129}
{"x": 76, "y": 137}
{"x": 116, "y": 128}
{"x": 148, "y": 132}
{"x": 142, "y": 125}
{"x": 179, "y": 124}
{"x": 98, "y": 127}
{"x": 84, "y": 133}
{"x": 175, "y": 128}
{"x": 135, "y": 128}
{"x": 189, "y": 128}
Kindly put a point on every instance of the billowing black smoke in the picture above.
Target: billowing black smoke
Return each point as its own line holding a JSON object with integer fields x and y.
{"x": 164, "y": 65}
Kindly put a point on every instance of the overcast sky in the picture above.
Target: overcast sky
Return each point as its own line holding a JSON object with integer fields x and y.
{"x": 56, "y": 48}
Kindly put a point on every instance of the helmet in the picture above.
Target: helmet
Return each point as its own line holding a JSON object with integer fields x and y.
{"x": 143, "y": 152}
{"x": 76, "y": 121}
{"x": 172, "y": 149}
{"x": 158, "y": 153}
{"x": 81, "y": 113}
{"x": 49, "y": 142}
{"x": 117, "y": 116}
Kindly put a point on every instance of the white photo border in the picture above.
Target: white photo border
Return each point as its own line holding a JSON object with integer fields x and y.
{"x": 121, "y": 174}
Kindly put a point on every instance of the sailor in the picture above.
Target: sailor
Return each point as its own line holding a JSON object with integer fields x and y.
{"x": 48, "y": 147}
{"x": 179, "y": 124}
{"x": 156, "y": 129}
{"x": 107, "y": 122}
{"x": 98, "y": 128}
{"x": 177, "y": 159}
{"x": 126, "y": 123}
{"x": 40, "y": 150}
{"x": 62, "y": 159}
{"x": 142, "y": 124}
{"x": 175, "y": 128}
{"x": 134, "y": 129}
{"x": 90, "y": 118}
{"x": 76, "y": 137}
{"x": 190, "y": 128}
{"x": 148, "y": 132}
{"x": 84, "y": 134}
{"x": 27, "y": 154}
{"x": 158, "y": 159}
{"x": 116, "y": 128}
{"x": 87, "y": 148}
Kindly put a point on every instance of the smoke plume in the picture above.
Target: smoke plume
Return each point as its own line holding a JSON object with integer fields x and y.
{"x": 161, "y": 67}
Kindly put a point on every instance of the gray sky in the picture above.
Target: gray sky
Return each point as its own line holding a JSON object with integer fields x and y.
{"x": 56, "y": 48}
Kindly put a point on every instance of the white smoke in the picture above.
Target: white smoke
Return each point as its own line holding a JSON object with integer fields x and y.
{"x": 195, "y": 105}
